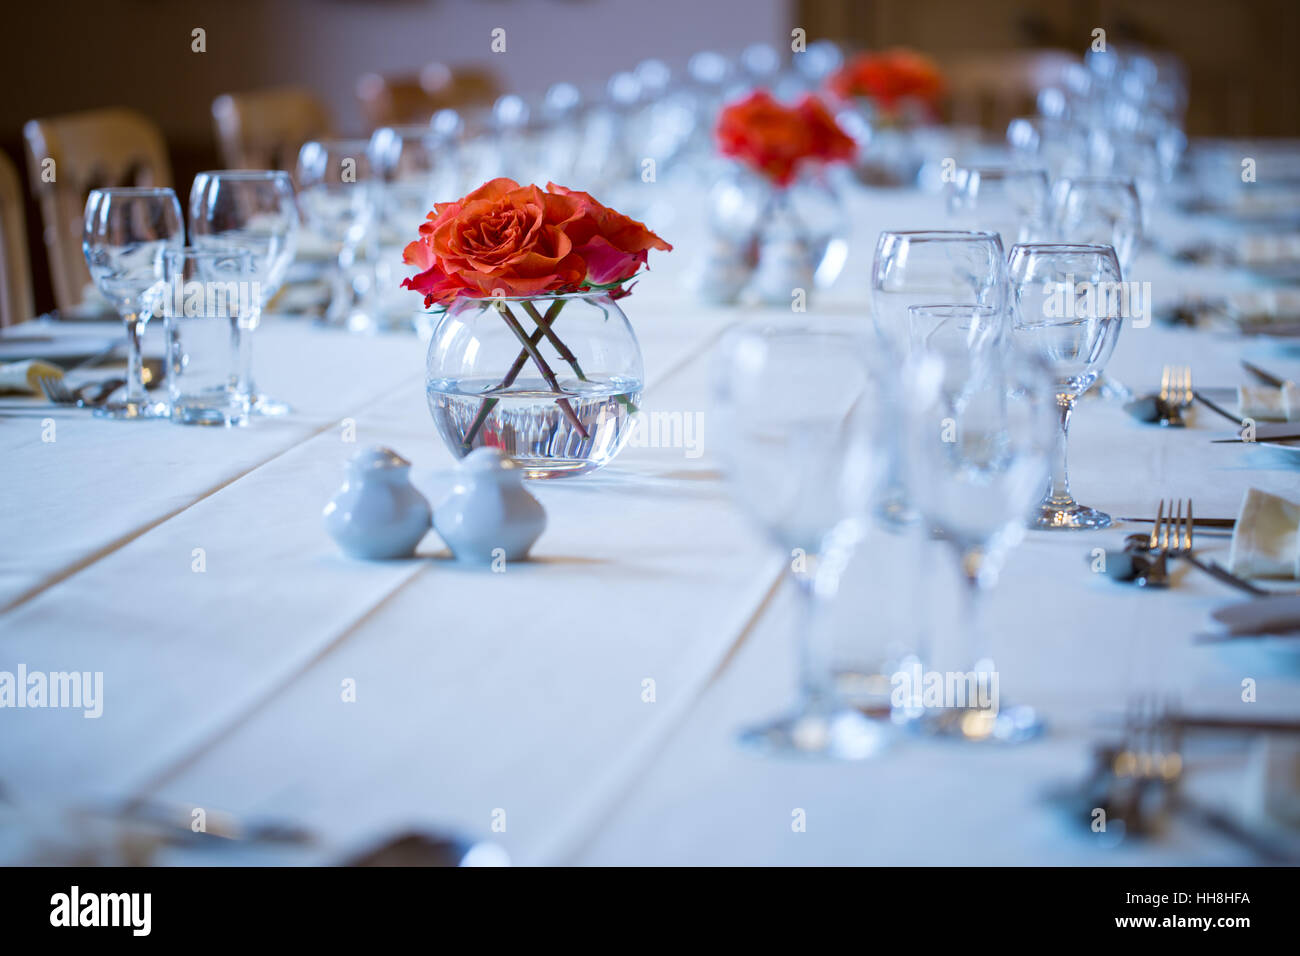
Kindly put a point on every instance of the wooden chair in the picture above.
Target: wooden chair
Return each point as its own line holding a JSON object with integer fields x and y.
{"x": 266, "y": 128}
{"x": 403, "y": 100}
{"x": 15, "y": 268}
{"x": 991, "y": 89}
{"x": 67, "y": 157}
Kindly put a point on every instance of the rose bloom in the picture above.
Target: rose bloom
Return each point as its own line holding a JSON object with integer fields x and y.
{"x": 889, "y": 78}
{"x": 507, "y": 239}
{"x": 776, "y": 139}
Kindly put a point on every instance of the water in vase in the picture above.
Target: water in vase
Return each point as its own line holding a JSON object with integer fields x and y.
{"x": 549, "y": 434}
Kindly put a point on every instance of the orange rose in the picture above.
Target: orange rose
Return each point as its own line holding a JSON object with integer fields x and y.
{"x": 613, "y": 245}
{"x": 890, "y": 78}
{"x": 501, "y": 239}
{"x": 507, "y": 239}
{"x": 776, "y": 139}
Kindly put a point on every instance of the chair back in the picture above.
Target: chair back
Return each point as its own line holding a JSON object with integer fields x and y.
{"x": 67, "y": 157}
{"x": 265, "y": 129}
{"x": 15, "y": 268}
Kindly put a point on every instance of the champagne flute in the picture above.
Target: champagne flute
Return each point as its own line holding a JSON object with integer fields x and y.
{"x": 336, "y": 189}
{"x": 1067, "y": 304}
{"x": 801, "y": 410}
{"x": 1101, "y": 210}
{"x": 252, "y": 210}
{"x": 978, "y": 439}
{"x": 127, "y": 230}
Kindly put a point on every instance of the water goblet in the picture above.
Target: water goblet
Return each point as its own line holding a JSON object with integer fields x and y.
{"x": 1101, "y": 210}
{"x": 801, "y": 410}
{"x": 336, "y": 189}
{"x": 1009, "y": 201}
{"x": 1067, "y": 305}
{"x": 978, "y": 438}
{"x": 126, "y": 232}
{"x": 254, "y": 210}
{"x": 915, "y": 268}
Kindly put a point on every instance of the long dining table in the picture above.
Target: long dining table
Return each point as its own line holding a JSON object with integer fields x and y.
{"x": 250, "y": 668}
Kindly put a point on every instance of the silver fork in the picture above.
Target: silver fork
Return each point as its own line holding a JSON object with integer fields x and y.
{"x": 1182, "y": 548}
{"x": 1175, "y": 394}
{"x": 1157, "y": 573}
{"x": 60, "y": 394}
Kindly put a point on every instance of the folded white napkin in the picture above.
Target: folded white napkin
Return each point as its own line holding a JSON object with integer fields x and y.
{"x": 25, "y": 376}
{"x": 1261, "y": 307}
{"x": 1267, "y": 403}
{"x": 1268, "y": 250}
{"x": 1266, "y": 538}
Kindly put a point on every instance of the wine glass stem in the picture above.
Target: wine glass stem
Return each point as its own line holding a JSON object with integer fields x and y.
{"x": 135, "y": 323}
{"x": 977, "y": 642}
{"x": 814, "y": 661}
{"x": 242, "y": 332}
{"x": 1059, "y": 495}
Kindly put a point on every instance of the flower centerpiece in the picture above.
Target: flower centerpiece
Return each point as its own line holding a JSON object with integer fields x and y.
{"x": 895, "y": 91}
{"x": 776, "y": 205}
{"x": 502, "y": 265}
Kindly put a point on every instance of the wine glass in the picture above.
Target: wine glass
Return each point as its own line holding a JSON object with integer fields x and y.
{"x": 978, "y": 438}
{"x": 801, "y": 410}
{"x": 1057, "y": 145}
{"x": 913, "y": 268}
{"x": 336, "y": 187}
{"x": 1101, "y": 210}
{"x": 414, "y": 167}
{"x": 1009, "y": 201}
{"x": 1067, "y": 303}
{"x": 253, "y": 210}
{"x": 127, "y": 230}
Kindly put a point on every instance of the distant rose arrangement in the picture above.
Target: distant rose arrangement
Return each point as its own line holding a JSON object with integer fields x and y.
{"x": 507, "y": 240}
{"x": 893, "y": 81}
{"x": 778, "y": 140}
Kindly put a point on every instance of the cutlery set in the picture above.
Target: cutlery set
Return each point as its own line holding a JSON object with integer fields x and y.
{"x": 1135, "y": 787}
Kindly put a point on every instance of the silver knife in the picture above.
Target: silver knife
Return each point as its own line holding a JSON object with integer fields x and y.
{"x": 1268, "y": 378}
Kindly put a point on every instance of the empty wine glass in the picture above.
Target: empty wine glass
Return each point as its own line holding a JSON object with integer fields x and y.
{"x": 253, "y": 210}
{"x": 336, "y": 190}
{"x": 1054, "y": 144}
{"x": 954, "y": 329}
{"x": 415, "y": 166}
{"x": 1101, "y": 210}
{"x": 126, "y": 232}
{"x": 801, "y": 410}
{"x": 978, "y": 438}
{"x": 1009, "y": 201}
{"x": 915, "y": 268}
{"x": 1067, "y": 309}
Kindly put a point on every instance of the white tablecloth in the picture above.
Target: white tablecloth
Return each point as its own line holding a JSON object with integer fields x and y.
{"x": 518, "y": 697}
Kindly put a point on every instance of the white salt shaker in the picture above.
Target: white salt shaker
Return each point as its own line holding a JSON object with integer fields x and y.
{"x": 378, "y": 513}
{"x": 488, "y": 513}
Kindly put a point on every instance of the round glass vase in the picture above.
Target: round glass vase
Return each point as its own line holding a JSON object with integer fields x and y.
{"x": 554, "y": 381}
{"x": 800, "y": 229}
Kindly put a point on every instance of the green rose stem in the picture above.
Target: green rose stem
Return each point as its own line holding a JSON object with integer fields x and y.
{"x": 513, "y": 324}
{"x": 486, "y": 406}
{"x": 545, "y": 323}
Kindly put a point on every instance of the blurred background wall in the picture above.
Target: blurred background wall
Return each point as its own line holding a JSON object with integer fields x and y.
{"x": 1241, "y": 54}
{"x": 79, "y": 54}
